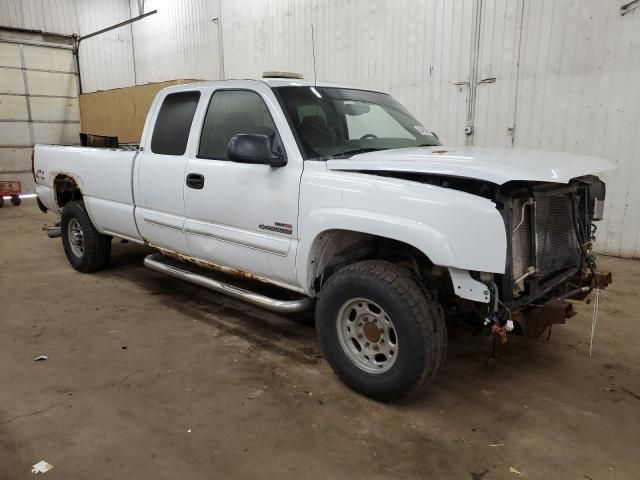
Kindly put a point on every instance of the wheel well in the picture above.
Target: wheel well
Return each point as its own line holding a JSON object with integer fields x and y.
{"x": 335, "y": 249}
{"x": 66, "y": 190}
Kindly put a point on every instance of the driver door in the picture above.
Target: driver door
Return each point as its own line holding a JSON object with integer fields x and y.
{"x": 238, "y": 215}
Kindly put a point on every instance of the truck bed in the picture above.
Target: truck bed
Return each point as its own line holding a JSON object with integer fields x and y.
{"x": 104, "y": 177}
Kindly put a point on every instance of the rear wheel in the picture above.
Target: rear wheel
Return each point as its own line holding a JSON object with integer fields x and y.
{"x": 16, "y": 200}
{"x": 380, "y": 332}
{"x": 87, "y": 249}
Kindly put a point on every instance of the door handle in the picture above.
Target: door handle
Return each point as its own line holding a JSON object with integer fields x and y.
{"x": 195, "y": 180}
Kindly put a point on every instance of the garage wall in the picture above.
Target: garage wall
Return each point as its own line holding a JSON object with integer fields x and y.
{"x": 106, "y": 60}
{"x": 55, "y": 16}
{"x": 38, "y": 104}
{"x": 180, "y": 41}
{"x": 565, "y": 70}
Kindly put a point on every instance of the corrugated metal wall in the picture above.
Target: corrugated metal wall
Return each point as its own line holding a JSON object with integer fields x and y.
{"x": 106, "y": 61}
{"x": 578, "y": 92}
{"x": 54, "y": 16}
{"x": 180, "y": 41}
{"x": 566, "y": 71}
{"x": 576, "y": 88}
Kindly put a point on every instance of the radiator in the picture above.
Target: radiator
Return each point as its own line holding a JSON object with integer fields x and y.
{"x": 555, "y": 246}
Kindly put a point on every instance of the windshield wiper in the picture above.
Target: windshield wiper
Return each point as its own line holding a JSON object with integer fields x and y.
{"x": 355, "y": 151}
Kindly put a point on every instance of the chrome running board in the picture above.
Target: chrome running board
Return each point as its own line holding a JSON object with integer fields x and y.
{"x": 156, "y": 262}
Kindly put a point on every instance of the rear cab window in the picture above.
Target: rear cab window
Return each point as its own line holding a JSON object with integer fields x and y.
{"x": 173, "y": 123}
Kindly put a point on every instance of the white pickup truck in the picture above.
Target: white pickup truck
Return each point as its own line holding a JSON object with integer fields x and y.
{"x": 342, "y": 197}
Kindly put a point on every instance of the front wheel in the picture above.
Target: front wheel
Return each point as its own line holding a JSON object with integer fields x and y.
{"x": 380, "y": 332}
{"x": 15, "y": 200}
{"x": 87, "y": 249}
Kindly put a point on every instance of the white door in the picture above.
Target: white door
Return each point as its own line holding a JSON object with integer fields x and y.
{"x": 243, "y": 216}
{"x": 159, "y": 178}
{"x": 38, "y": 104}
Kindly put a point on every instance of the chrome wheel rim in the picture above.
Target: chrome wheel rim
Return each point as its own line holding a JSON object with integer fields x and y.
{"x": 76, "y": 237}
{"x": 367, "y": 335}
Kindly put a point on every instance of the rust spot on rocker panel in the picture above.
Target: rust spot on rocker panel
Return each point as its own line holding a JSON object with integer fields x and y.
{"x": 211, "y": 266}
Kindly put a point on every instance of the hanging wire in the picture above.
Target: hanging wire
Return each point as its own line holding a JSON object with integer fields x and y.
{"x": 594, "y": 319}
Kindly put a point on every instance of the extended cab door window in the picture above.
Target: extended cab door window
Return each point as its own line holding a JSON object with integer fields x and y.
{"x": 159, "y": 184}
{"x": 232, "y": 112}
{"x": 173, "y": 123}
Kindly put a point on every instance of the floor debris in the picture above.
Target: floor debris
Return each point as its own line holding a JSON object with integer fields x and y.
{"x": 41, "y": 358}
{"x": 515, "y": 471}
{"x": 41, "y": 467}
{"x": 255, "y": 394}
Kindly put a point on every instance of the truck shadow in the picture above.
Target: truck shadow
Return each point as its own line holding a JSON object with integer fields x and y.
{"x": 293, "y": 336}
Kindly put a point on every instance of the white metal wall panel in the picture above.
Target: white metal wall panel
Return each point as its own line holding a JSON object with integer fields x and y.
{"x": 13, "y": 107}
{"x": 575, "y": 89}
{"x": 55, "y": 16}
{"x": 55, "y": 84}
{"x": 106, "y": 60}
{"x": 495, "y": 108}
{"x": 11, "y": 81}
{"x": 180, "y": 41}
{"x": 38, "y": 104}
{"x": 578, "y": 92}
{"x": 414, "y": 50}
{"x": 9, "y": 55}
{"x": 55, "y": 109}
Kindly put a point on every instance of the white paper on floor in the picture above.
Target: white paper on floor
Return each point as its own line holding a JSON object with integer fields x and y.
{"x": 41, "y": 467}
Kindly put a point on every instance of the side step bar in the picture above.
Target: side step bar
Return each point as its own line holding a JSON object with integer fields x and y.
{"x": 156, "y": 262}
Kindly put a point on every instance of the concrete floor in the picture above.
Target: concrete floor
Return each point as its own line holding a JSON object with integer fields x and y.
{"x": 148, "y": 377}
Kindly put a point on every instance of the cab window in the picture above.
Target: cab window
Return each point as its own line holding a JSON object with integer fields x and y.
{"x": 232, "y": 112}
{"x": 173, "y": 123}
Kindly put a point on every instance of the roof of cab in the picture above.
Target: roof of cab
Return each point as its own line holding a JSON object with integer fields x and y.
{"x": 271, "y": 82}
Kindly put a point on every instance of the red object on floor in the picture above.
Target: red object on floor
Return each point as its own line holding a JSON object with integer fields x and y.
{"x": 10, "y": 187}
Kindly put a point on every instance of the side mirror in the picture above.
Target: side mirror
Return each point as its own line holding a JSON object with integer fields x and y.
{"x": 254, "y": 148}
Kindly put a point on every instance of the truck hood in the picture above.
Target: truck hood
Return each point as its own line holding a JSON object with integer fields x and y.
{"x": 493, "y": 165}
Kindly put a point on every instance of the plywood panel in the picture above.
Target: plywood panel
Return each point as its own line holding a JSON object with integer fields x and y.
{"x": 44, "y": 58}
{"x": 45, "y": 83}
{"x": 13, "y": 107}
{"x": 46, "y": 108}
{"x": 120, "y": 112}
{"x": 11, "y": 81}
{"x": 9, "y": 55}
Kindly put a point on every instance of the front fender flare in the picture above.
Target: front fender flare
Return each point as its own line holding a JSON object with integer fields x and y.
{"x": 431, "y": 241}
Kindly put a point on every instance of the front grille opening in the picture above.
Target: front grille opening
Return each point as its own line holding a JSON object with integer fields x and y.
{"x": 543, "y": 237}
{"x": 556, "y": 243}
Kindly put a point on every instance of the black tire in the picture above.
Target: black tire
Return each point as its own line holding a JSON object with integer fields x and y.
{"x": 15, "y": 200}
{"x": 96, "y": 247}
{"x": 1, "y": 201}
{"x": 418, "y": 321}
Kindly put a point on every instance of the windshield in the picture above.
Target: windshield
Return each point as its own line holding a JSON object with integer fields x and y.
{"x": 340, "y": 122}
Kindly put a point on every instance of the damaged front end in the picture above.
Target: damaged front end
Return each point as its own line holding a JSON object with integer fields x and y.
{"x": 550, "y": 234}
